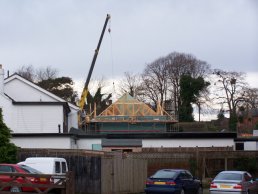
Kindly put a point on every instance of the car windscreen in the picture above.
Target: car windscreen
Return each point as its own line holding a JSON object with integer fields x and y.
{"x": 229, "y": 176}
{"x": 30, "y": 170}
{"x": 165, "y": 174}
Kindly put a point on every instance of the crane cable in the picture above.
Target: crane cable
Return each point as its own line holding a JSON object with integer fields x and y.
{"x": 112, "y": 60}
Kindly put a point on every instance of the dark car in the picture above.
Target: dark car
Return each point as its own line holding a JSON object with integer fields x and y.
{"x": 9, "y": 168}
{"x": 174, "y": 181}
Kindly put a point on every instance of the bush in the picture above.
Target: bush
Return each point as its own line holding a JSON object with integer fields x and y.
{"x": 8, "y": 151}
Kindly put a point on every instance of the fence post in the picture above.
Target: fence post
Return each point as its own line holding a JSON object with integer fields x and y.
{"x": 204, "y": 167}
{"x": 197, "y": 161}
{"x": 226, "y": 163}
{"x": 69, "y": 189}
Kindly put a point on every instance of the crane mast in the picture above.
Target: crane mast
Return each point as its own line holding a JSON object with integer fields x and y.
{"x": 85, "y": 89}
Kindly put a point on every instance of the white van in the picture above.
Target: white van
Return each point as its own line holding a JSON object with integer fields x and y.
{"x": 47, "y": 165}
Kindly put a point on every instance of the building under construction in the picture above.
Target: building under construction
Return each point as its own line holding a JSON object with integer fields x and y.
{"x": 128, "y": 115}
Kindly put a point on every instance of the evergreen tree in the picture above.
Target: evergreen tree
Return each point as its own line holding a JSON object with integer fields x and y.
{"x": 101, "y": 100}
{"x": 190, "y": 91}
{"x": 61, "y": 86}
{"x": 8, "y": 151}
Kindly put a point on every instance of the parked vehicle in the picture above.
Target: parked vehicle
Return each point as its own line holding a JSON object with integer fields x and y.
{"x": 233, "y": 182}
{"x": 9, "y": 168}
{"x": 173, "y": 181}
{"x": 47, "y": 165}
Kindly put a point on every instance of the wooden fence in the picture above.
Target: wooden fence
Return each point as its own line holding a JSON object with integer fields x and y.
{"x": 98, "y": 172}
{"x": 116, "y": 172}
{"x": 121, "y": 175}
{"x": 63, "y": 184}
{"x": 202, "y": 163}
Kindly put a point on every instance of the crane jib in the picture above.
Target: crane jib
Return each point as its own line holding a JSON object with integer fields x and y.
{"x": 85, "y": 89}
{"x": 96, "y": 52}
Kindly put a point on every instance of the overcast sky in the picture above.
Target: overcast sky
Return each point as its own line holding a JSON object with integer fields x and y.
{"x": 64, "y": 34}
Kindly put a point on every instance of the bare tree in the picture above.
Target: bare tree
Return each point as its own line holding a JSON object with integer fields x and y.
{"x": 251, "y": 95}
{"x": 130, "y": 83}
{"x": 203, "y": 101}
{"x": 45, "y": 73}
{"x": 38, "y": 75}
{"x": 161, "y": 78}
{"x": 155, "y": 81}
{"x": 27, "y": 71}
{"x": 249, "y": 106}
{"x": 230, "y": 90}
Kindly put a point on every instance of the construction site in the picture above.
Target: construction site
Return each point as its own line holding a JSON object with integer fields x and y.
{"x": 128, "y": 115}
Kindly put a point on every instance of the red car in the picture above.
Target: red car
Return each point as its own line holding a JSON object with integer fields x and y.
{"x": 8, "y": 168}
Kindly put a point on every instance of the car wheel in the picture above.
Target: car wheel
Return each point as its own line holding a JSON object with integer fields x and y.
{"x": 15, "y": 189}
{"x": 200, "y": 191}
{"x": 182, "y": 191}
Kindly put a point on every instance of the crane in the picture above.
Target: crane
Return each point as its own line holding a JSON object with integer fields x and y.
{"x": 85, "y": 89}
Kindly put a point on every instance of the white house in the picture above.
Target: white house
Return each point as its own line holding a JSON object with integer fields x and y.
{"x": 28, "y": 108}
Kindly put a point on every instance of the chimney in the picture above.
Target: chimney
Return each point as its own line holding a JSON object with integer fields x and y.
{"x": 1, "y": 79}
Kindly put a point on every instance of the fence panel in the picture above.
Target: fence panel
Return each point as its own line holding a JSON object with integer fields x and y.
{"x": 123, "y": 175}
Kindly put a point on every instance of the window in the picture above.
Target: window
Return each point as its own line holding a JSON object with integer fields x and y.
{"x": 247, "y": 177}
{"x": 185, "y": 175}
{"x": 240, "y": 146}
{"x": 6, "y": 169}
{"x": 188, "y": 175}
{"x": 30, "y": 170}
{"x": 58, "y": 167}
{"x": 64, "y": 167}
{"x": 182, "y": 176}
{"x": 229, "y": 176}
{"x": 165, "y": 174}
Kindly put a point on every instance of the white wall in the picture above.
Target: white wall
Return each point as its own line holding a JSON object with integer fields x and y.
{"x": 187, "y": 142}
{"x": 20, "y": 91}
{"x": 33, "y": 119}
{"x": 42, "y": 142}
{"x": 87, "y": 143}
{"x": 7, "y": 110}
{"x": 255, "y": 132}
{"x": 1, "y": 80}
{"x": 250, "y": 145}
{"x": 73, "y": 119}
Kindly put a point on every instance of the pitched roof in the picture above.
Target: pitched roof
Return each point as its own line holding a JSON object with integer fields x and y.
{"x": 128, "y": 106}
{"x": 24, "y": 80}
{"x": 128, "y": 109}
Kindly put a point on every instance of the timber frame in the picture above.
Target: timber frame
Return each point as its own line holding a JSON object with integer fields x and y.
{"x": 128, "y": 108}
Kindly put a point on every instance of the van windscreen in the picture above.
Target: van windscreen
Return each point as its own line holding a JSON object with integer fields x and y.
{"x": 64, "y": 167}
{"x": 57, "y": 167}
